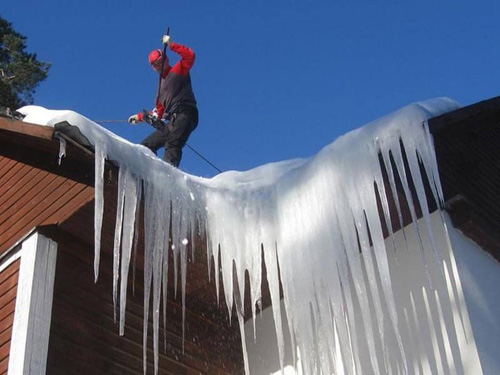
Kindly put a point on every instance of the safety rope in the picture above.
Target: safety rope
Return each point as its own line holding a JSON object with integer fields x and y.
{"x": 204, "y": 158}
{"x": 187, "y": 144}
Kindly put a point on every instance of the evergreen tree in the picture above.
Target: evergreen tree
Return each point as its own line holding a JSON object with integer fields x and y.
{"x": 20, "y": 71}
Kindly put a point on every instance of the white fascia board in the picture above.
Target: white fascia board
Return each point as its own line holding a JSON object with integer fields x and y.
{"x": 31, "y": 328}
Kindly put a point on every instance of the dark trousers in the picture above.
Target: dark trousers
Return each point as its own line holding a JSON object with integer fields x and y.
{"x": 175, "y": 136}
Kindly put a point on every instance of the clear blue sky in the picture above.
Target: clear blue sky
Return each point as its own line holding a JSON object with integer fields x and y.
{"x": 274, "y": 79}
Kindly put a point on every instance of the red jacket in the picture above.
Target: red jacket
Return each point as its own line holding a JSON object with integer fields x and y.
{"x": 176, "y": 89}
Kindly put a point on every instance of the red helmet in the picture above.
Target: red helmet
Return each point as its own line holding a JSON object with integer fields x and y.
{"x": 155, "y": 56}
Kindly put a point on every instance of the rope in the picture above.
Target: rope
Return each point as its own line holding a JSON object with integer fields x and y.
{"x": 204, "y": 158}
{"x": 187, "y": 144}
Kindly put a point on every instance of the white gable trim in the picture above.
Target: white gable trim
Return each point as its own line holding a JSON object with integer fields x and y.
{"x": 13, "y": 257}
{"x": 30, "y": 332}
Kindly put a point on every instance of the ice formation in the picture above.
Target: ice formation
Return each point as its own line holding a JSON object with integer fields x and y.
{"x": 316, "y": 220}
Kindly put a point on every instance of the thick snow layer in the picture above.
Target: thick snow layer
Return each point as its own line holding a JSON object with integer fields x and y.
{"x": 311, "y": 217}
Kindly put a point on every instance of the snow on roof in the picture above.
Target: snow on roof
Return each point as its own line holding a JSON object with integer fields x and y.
{"x": 311, "y": 217}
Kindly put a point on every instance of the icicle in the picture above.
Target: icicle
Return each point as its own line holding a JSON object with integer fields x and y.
{"x": 317, "y": 223}
{"x": 380, "y": 252}
{"x": 413, "y": 343}
{"x": 240, "y": 314}
{"x": 382, "y": 193}
{"x": 62, "y": 149}
{"x": 183, "y": 255}
{"x": 274, "y": 289}
{"x": 132, "y": 191}
{"x": 122, "y": 181}
{"x": 419, "y": 187}
{"x": 100, "y": 155}
{"x": 393, "y": 189}
{"x": 216, "y": 272}
{"x": 444, "y": 333}
{"x": 360, "y": 288}
{"x": 432, "y": 330}
{"x": 166, "y": 252}
{"x": 174, "y": 244}
{"x": 411, "y": 205}
{"x": 157, "y": 260}
{"x": 345, "y": 297}
{"x": 150, "y": 217}
{"x": 424, "y": 361}
{"x": 136, "y": 233}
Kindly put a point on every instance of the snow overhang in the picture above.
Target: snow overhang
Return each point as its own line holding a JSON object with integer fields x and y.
{"x": 39, "y": 146}
{"x": 471, "y": 185}
{"x": 332, "y": 155}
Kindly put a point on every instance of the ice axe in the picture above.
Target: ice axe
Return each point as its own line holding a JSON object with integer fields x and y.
{"x": 162, "y": 65}
{"x": 146, "y": 116}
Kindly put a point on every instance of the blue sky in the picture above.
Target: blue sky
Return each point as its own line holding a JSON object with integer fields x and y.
{"x": 275, "y": 79}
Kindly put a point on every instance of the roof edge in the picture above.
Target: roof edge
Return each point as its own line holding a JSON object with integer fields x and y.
{"x": 438, "y": 123}
{"x": 26, "y": 128}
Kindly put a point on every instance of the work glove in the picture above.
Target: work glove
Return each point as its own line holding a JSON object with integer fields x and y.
{"x": 135, "y": 119}
{"x": 166, "y": 40}
{"x": 154, "y": 114}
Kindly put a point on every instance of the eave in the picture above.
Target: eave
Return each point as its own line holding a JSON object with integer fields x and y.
{"x": 467, "y": 150}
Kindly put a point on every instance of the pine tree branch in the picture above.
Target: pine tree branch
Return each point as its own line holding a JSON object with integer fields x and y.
{"x": 6, "y": 78}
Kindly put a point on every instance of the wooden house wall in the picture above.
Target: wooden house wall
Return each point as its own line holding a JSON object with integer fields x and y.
{"x": 8, "y": 291}
{"x": 84, "y": 338}
{"x": 32, "y": 197}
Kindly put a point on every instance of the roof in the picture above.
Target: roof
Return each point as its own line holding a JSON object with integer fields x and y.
{"x": 466, "y": 144}
{"x": 468, "y": 135}
{"x": 59, "y": 200}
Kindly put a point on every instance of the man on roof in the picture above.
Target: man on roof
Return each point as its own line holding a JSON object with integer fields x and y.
{"x": 176, "y": 103}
